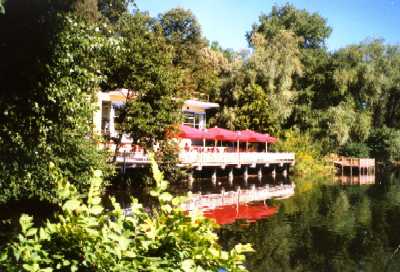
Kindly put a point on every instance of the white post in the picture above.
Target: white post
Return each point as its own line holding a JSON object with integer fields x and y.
{"x": 230, "y": 176}
{"x": 259, "y": 173}
{"x": 214, "y": 176}
{"x": 266, "y": 146}
{"x": 246, "y": 172}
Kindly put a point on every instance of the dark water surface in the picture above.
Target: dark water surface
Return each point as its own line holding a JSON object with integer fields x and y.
{"x": 324, "y": 226}
{"x": 327, "y": 226}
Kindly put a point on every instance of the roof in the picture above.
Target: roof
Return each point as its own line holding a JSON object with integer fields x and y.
{"x": 201, "y": 104}
{"x": 121, "y": 95}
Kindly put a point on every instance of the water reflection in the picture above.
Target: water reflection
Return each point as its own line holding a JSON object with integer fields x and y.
{"x": 326, "y": 227}
{"x": 226, "y": 200}
{"x": 356, "y": 180}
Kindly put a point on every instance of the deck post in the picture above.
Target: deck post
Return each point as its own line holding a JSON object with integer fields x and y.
{"x": 285, "y": 171}
{"x": 246, "y": 172}
{"x": 259, "y": 172}
{"x": 230, "y": 176}
{"x": 273, "y": 173}
{"x": 214, "y": 176}
{"x": 351, "y": 167}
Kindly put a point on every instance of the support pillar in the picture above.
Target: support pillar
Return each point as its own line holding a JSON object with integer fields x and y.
{"x": 230, "y": 176}
{"x": 273, "y": 173}
{"x": 259, "y": 173}
{"x": 246, "y": 172}
{"x": 214, "y": 176}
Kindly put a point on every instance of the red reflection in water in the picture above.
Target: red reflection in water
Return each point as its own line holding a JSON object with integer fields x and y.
{"x": 228, "y": 214}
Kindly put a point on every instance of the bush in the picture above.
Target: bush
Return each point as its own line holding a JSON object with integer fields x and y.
{"x": 358, "y": 150}
{"x": 86, "y": 237}
{"x": 385, "y": 144}
{"x": 309, "y": 160}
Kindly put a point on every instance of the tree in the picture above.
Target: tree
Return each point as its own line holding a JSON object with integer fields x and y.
{"x": 47, "y": 102}
{"x": 144, "y": 66}
{"x": 183, "y": 32}
{"x": 311, "y": 28}
{"x": 261, "y": 90}
{"x": 114, "y": 9}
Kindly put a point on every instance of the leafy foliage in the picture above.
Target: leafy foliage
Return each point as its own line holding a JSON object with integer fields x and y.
{"x": 358, "y": 150}
{"x": 144, "y": 66}
{"x": 311, "y": 28}
{"x": 385, "y": 144}
{"x": 86, "y": 237}
{"x": 309, "y": 160}
{"x": 52, "y": 121}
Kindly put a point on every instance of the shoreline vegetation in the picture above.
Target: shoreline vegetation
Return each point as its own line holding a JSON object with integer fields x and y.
{"x": 84, "y": 236}
{"x": 55, "y": 56}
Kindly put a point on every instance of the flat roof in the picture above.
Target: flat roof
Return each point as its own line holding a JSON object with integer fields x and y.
{"x": 201, "y": 104}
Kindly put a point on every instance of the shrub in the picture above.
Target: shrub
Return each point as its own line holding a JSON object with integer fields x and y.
{"x": 309, "y": 160}
{"x": 385, "y": 144}
{"x": 352, "y": 149}
{"x": 86, "y": 237}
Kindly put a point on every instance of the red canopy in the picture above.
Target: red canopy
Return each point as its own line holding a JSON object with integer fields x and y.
{"x": 224, "y": 135}
{"x": 257, "y": 137}
{"x": 191, "y": 133}
{"x": 228, "y": 214}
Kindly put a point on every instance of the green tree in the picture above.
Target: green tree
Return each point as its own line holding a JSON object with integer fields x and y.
{"x": 311, "y": 28}
{"x": 47, "y": 104}
{"x": 144, "y": 67}
{"x": 260, "y": 92}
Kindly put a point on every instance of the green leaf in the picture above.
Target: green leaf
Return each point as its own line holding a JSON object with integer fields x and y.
{"x": 71, "y": 205}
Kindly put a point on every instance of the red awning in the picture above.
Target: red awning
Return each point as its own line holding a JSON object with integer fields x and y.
{"x": 191, "y": 133}
{"x": 253, "y": 136}
{"x": 228, "y": 214}
{"x": 224, "y": 135}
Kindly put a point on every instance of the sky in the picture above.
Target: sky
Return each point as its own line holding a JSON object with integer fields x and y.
{"x": 227, "y": 21}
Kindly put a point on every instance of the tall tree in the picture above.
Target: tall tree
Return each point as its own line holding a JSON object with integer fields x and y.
{"x": 46, "y": 97}
{"x": 145, "y": 67}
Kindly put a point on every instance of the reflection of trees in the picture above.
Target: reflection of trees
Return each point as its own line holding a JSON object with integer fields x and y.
{"x": 328, "y": 228}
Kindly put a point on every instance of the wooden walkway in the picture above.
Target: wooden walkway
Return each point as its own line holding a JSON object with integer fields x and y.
{"x": 365, "y": 166}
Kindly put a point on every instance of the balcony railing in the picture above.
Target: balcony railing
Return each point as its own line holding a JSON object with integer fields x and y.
{"x": 215, "y": 159}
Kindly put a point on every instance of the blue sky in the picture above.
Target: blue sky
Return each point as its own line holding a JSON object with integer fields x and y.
{"x": 227, "y": 21}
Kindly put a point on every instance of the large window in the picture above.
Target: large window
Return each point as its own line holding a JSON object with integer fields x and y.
{"x": 193, "y": 119}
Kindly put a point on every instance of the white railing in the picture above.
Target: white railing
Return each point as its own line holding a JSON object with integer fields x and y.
{"x": 200, "y": 158}
{"x": 215, "y": 159}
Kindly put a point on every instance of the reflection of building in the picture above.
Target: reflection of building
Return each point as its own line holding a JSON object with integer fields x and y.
{"x": 205, "y": 202}
{"x": 198, "y": 148}
{"x": 356, "y": 180}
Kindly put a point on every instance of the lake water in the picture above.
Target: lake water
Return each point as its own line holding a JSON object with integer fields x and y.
{"x": 327, "y": 226}
{"x": 350, "y": 224}
{"x": 346, "y": 224}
